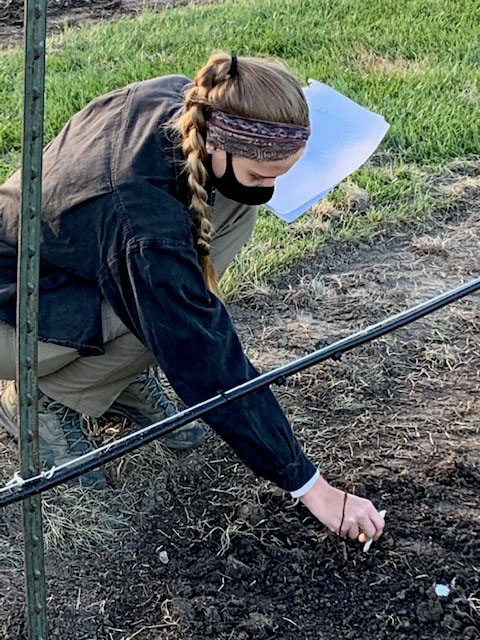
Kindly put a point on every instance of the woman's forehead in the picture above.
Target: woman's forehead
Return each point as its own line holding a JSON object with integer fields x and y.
{"x": 271, "y": 168}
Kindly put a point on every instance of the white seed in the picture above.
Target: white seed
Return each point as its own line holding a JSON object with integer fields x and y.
{"x": 368, "y": 543}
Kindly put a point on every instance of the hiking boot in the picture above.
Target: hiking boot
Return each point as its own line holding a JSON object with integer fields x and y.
{"x": 145, "y": 402}
{"x": 61, "y": 433}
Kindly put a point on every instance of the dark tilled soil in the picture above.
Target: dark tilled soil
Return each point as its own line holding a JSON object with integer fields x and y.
{"x": 193, "y": 547}
{"x": 62, "y": 13}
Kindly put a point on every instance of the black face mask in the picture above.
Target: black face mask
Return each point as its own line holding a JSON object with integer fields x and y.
{"x": 230, "y": 187}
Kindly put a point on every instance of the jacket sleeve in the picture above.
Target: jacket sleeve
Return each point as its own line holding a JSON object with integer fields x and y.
{"x": 156, "y": 288}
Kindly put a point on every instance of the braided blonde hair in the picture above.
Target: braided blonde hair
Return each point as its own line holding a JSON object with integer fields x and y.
{"x": 262, "y": 89}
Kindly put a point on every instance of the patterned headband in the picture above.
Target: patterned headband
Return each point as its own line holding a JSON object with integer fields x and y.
{"x": 255, "y": 139}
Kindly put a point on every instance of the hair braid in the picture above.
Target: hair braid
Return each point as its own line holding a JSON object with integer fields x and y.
{"x": 193, "y": 128}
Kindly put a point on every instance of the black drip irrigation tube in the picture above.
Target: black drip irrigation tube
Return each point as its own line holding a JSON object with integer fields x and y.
{"x": 22, "y": 489}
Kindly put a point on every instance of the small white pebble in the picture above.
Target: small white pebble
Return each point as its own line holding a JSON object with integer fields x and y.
{"x": 368, "y": 543}
{"x": 163, "y": 555}
{"x": 442, "y": 590}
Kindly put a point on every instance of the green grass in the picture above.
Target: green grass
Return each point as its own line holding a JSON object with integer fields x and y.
{"x": 415, "y": 61}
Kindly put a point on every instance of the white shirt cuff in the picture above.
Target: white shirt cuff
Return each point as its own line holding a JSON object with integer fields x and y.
{"x": 298, "y": 493}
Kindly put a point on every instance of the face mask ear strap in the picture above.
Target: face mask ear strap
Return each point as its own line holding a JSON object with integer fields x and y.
{"x": 229, "y": 161}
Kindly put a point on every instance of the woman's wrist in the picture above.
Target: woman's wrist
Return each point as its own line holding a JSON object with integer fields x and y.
{"x": 316, "y": 492}
{"x": 306, "y": 487}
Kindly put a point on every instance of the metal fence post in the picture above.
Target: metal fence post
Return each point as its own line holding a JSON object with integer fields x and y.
{"x": 27, "y": 308}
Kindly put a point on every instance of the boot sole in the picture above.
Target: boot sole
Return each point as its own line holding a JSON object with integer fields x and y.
{"x": 173, "y": 446}
{"x": 183, "y": 447}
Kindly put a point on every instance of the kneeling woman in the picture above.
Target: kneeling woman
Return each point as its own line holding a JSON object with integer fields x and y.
{"x": 148, "y": 194}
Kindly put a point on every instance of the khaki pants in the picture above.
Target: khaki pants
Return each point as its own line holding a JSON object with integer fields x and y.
{"x": 91, "y": 384}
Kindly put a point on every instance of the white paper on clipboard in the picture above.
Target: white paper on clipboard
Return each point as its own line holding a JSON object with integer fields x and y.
{"x": 344, "y": 135}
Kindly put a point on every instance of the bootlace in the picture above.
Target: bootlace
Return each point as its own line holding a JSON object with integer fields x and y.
{"x": 156, "y": 394}
{"x": 72, "y": 426}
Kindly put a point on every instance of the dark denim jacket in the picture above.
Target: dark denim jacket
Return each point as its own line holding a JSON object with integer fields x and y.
{"x": 115, "y": 225}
